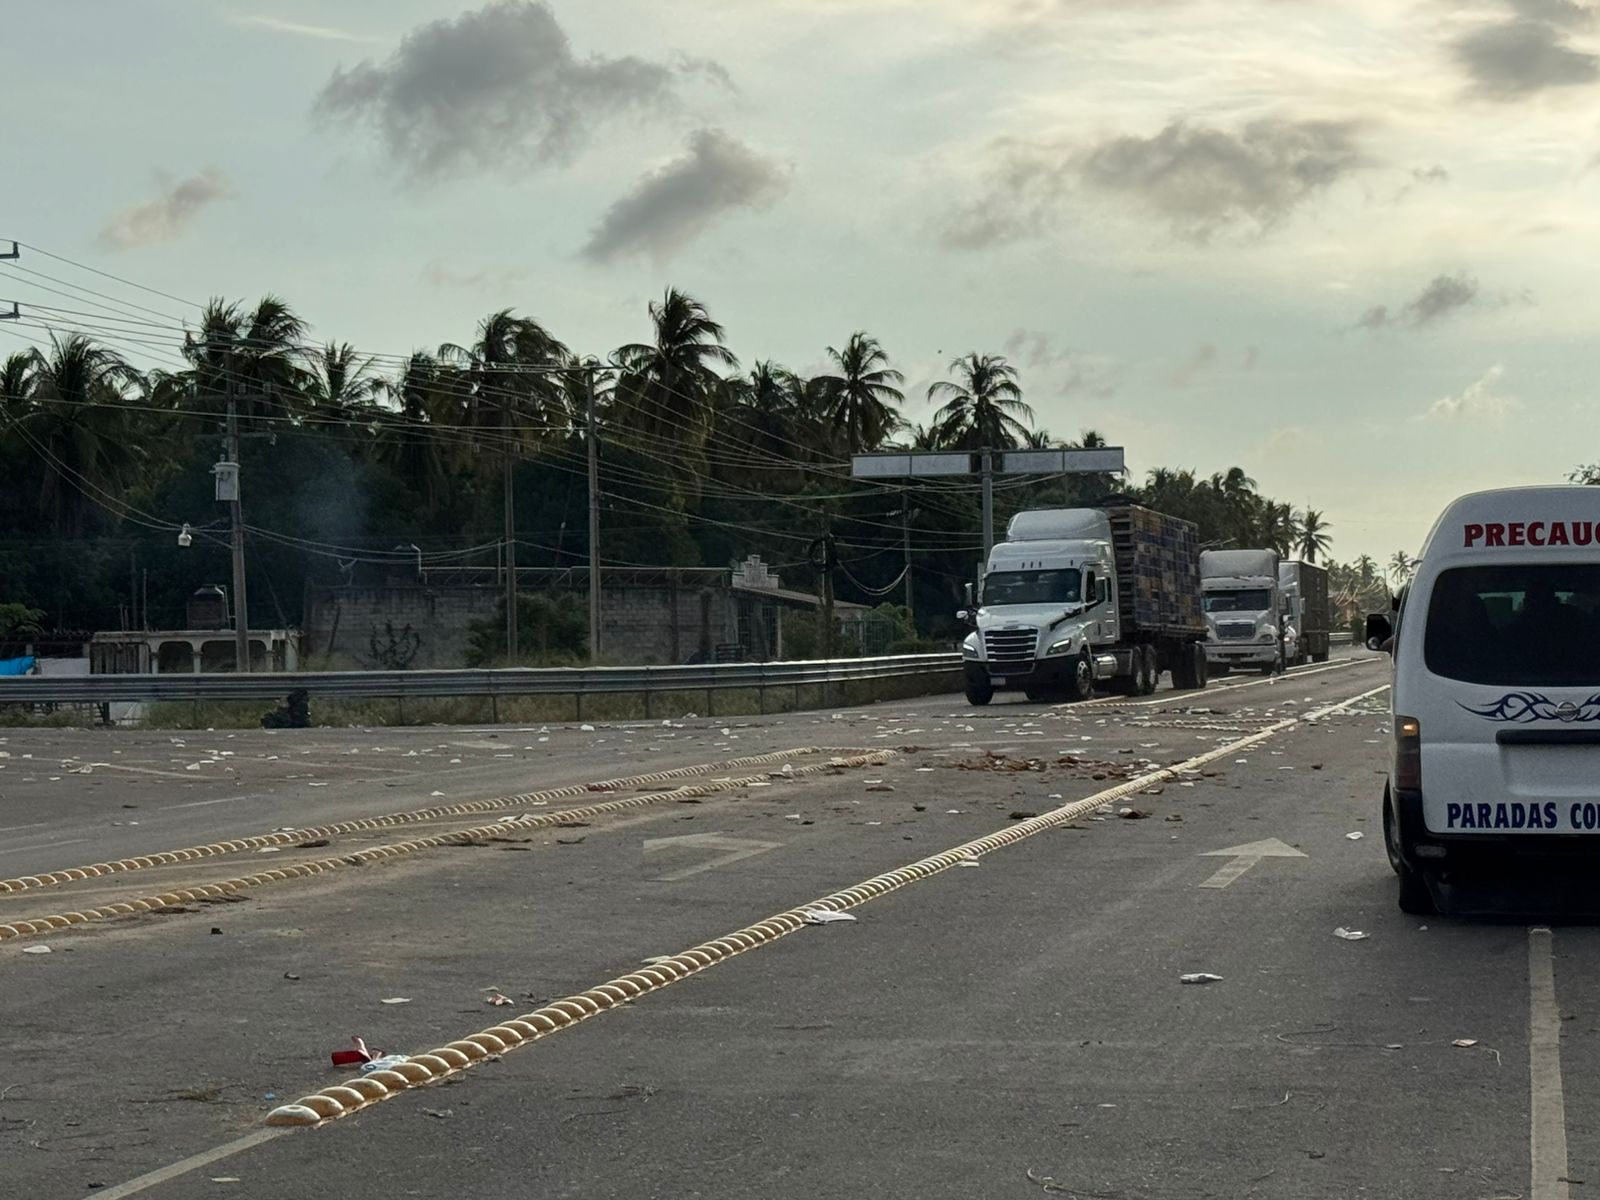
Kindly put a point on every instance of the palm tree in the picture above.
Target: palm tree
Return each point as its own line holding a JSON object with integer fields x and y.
{"x": 257, "y": 354}
{"x": 1314, "y": 539}
{"x": 1366, "y": 570}
{"x": 983, "y": 408}
{"x": 666, "y": 383}
{"x": 1401, "y": 568}
{"x": 77, "y": 397}
{"x": 340, "y": 382}
{"x": 424, "y": 457}
{"x": 863, "y": 397}
{"x": 505, "y": 380}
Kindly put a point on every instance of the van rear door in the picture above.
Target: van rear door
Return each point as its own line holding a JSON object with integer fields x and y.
{"x": 1510, "y": 721}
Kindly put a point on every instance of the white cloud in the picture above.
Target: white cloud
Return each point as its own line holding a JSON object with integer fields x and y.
{"x": 1481, "y": 401}
{"x": 323, "y": 33}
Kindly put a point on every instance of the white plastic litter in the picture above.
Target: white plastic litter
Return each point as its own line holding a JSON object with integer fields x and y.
{"x": 586, "y": 728}
{"x": 1354, "y": 837}
{"x": 396, "y": 1000}
{"x": 1350, "y": 935}
{"x": 1200, "y": 977}
{"x": 825, "y": 916}
{"x": 36, "y": 949}
{"x": 1464, "y": 1043}
{"x": 383, "y": 1064}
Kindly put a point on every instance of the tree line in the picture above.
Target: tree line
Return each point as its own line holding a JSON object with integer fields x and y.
{"x": 355, "y": 466}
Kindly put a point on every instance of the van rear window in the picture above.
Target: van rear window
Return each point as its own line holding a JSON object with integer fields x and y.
{"x": 1535, "y": 625}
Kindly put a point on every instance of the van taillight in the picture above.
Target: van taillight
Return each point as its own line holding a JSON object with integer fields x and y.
{"x": 1407, "y": 754}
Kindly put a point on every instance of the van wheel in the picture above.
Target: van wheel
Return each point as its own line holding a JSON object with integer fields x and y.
{"x": 1081, "y": 684}
{"x": 1415, "y": 898}
{"x": 1391, "y": 836}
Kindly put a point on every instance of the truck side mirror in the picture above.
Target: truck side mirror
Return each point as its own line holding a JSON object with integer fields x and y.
{"x": 970, "y": 593}
{"x": 1379, "y": 631}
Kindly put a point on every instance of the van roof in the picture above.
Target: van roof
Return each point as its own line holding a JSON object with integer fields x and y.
{"x": 1529, "y": 519}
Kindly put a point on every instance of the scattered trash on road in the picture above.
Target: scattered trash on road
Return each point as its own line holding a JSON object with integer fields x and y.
{"x": 880, "y": 787}
{"x": 1464, "y": 1043}
{"x": 1132, "y": 814}
{"x": 586, "y": 728}
{"x": 386, "y": 1062}
{"x": 824, "y": 916}
{"x": 1200, "y": 977}
{"x": 395, "y": 1000}
{"x": 967, "y": 862}
{"x": 1354, "y": 837}
{"x": 291, "y": 977}
{"x": 1350, "y": 935}
{"x": 36, "y": 949}
{"x": 497, "y": 1000}
{"x": 360, "y": 1054}
{"x": 1021, "y": 814}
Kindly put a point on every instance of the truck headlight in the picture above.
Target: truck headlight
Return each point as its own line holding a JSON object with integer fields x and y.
{"x": 1064, "y": 646}
{"x": 1267, "y": 635}
{"x": 969, "y": 646}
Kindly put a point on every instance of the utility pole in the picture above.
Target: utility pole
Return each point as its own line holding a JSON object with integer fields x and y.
{"x": 986, "y": 469}
{"x": 241, "y": 605}
{"x": 592, "y": 437}
{"x": 829, "y": 560}
{"x": 510, "y": 558}
{"x": 905, "y": 538}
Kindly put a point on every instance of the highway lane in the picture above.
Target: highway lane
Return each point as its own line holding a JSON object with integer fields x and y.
{"x": 1024, "y": 1015}
{"x": 75, "y": 796}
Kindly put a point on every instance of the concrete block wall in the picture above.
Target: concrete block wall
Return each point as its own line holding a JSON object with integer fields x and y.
{"x": 429, "y": 625}
{"x": 643, "y": 626}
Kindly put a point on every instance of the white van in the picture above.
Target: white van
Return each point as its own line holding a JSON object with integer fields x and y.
{"x": 1496, "y": 696}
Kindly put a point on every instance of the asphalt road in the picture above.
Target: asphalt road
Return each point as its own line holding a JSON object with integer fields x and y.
{"x": 1017, "y": 1028}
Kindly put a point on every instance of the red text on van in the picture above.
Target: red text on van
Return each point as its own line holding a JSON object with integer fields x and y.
{"x": 1530, "y": 533}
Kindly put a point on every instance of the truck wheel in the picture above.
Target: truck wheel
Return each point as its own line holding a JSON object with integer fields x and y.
{"x": 1081, "y": 684}
{"x": 1149, "y": 675}
{"x": 978, "y": 688}
{"x": 1036, "y": 693}
{"x": 1202, "y": 666}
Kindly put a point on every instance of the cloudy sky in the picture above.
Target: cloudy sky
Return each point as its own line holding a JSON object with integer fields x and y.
{"x": 1346, "y": 244}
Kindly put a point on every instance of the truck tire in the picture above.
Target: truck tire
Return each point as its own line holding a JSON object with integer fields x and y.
{"x": 1183, "y": 668}
{"x": 1202, "y": 666}
{"x": 1037, "y": 693}
{"x": 1080, "y": 684}
{"x": 979, "y": 690}
{"x": 1149, "y": 673}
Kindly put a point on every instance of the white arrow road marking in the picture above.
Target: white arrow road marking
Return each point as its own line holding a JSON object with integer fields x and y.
{"x": 736, "y": 848}
{"x": 1245, "y": 857}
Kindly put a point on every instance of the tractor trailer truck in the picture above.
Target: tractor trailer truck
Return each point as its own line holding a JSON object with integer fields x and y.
{"x": 1244, "y": 609}
{"x": 1080, "y": 597}
{"x": 1303, "y": 587}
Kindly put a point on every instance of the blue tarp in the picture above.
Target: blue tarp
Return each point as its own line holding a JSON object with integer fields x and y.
{"x": 16, "y": 666}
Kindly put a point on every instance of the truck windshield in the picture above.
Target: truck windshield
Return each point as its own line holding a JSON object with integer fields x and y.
{"x": 1032, "y": 587}
{"x": 1243, "y": 600}
{"x": 1530, "y": 625}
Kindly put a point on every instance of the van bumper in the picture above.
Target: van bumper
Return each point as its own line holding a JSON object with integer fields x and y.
{"x": 1465, "y": 852}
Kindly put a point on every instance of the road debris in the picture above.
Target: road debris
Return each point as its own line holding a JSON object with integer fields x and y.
{"x": 1200, "y": 977}
{"x": 36, "y": 949}
{"x": 824, "y": 916}
{"x": 1464, "y": 1043}
{"x": 358, "y": 1054}
{"x": 1355, "y": 836}
{"x": 1350, "y": 935}
{"x": 395, "y": 1000}
{"x": 1132, "y": 814}
{"x": 498, "y": 1000}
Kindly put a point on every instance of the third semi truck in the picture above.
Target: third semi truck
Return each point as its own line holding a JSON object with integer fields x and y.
{"x": 1303, "y": 588}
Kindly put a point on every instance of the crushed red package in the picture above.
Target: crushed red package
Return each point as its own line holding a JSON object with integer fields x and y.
{"x": 351, "y": 1058}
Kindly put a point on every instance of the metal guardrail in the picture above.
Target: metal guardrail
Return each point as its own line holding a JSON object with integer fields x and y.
{"x": 512, "y": 681}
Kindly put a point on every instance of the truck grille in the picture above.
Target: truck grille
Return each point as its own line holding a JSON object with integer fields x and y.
{"x": 1236, "y": 631}
{"x": 1011, "y": 647}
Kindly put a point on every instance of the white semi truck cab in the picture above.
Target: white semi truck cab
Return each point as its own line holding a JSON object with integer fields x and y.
{"x": 1077, "y": 596}
{"x": 1244, "y": 609}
